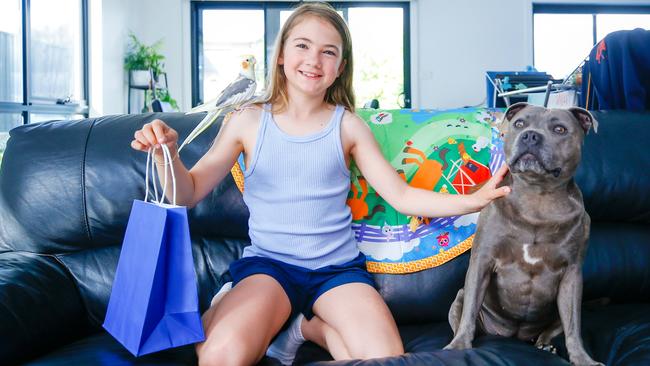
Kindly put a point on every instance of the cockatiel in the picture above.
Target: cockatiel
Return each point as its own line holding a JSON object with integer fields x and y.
{"x": 240, "y": 91}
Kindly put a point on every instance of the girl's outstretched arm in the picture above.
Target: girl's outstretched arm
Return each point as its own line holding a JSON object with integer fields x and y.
{"x": 194, "y": 184}
{"x": 406, "y": 199}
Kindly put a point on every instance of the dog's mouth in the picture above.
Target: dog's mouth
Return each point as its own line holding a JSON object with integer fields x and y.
{"x": 528, "y": 161}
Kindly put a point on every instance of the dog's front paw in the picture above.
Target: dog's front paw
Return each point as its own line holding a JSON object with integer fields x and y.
{"x": 459, "y": 343}
{"x": 548, "y": 348}
{"x": 584, "y": 360}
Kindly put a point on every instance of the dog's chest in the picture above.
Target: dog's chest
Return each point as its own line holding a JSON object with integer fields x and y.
{"x": 527, "y": 255}
{"x": 530, "y": 257}
{"x": 539, "y": 238}
{"x": 526, "y": 277}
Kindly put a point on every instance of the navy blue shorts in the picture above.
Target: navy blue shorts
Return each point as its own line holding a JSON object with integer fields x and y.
{"x": 303, "y": 286}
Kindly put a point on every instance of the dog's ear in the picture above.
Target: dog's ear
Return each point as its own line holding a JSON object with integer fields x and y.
{"x": 514, "y": 109}
{"x": 587, "y": 121}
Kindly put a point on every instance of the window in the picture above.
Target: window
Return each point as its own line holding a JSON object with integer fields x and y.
{"x": 607, "y": 23}
{"x": 223, "y": 48}
{"x": 377, "y": 41}
{"x": 561, "y": 42}
{"x": 56, "y": 50}
{"x": 43, "y": 61}
{"x": 380, "y": 39}
{"x": 11, "y": 87}
{"x": 563, "y": 35}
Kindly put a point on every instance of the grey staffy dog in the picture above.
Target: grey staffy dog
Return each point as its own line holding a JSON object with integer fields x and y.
{"x": 525, "y": 272}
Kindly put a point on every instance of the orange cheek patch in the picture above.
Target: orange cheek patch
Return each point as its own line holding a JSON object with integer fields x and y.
{"x": 244, "y": 65}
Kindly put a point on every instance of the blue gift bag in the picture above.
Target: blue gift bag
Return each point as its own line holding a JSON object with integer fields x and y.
{"x": 154, "y": 301}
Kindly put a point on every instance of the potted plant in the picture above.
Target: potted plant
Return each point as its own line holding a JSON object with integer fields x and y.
{"x": 169, "y": 103}
{"x": 142, "y": 61}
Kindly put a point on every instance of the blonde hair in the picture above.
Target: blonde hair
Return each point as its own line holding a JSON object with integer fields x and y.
{"x": 340, "y": 92}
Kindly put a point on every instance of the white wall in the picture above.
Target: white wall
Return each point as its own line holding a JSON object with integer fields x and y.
{"x": 108, "y": 24}
{"x": 115, "y": 22}
{"x": 453, "y": 44}
{"x": 458, "y": 41}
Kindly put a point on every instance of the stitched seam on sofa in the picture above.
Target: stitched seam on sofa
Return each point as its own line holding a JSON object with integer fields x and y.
{"x": 70, "y": 277}
{"x": 74, "y": 284}
{"x": 68, "y": 274}
{"x": 84, "y": 202}
{"x": 210, "y": 271}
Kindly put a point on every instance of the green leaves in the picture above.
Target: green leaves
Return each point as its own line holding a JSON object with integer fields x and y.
{"x": 142, "y": 57}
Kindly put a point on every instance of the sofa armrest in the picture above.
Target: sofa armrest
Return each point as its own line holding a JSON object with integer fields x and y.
{"x": 40, "y": 308}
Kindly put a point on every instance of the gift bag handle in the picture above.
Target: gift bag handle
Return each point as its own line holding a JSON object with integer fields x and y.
{"x": 151, "y": 165}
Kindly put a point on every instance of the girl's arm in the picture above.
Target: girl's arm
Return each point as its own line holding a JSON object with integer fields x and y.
{"x": 217, "y": 162}
{"x": 406, "y": 199}
{"x": 193, "y": 185}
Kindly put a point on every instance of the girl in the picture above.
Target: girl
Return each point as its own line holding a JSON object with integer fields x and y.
{"x": 303, "y": 258}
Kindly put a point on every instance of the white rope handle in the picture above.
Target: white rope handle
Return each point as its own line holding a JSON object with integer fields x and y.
{"x": 146, "y": 176}
{"x": 169, "y": 162}
{"x": 151, "y": 165}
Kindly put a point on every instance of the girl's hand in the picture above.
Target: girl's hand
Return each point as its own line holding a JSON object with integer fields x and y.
{"x": 153, "y": 134}
{"x": 489, "y": 191}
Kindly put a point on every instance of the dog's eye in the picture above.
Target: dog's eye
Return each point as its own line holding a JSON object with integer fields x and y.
{"x": 559, "y": 129}
{"x": 519, "y": 123}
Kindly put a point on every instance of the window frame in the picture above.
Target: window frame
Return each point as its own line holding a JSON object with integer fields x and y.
{"x": 196, "y": 26}
{"x": 28, "y": 106}
{"x": 586, "y": 9}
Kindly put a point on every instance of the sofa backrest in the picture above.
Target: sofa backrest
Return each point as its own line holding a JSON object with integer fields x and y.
{"x": 66, "y": 189}
{"x": 69, "y": 185}
{"x": 614, "y": 177}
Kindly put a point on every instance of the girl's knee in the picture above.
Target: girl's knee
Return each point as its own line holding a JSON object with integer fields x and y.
{"x": 230, "y": 351}
{"x": 380, "y": 350}
{"x": 380, "y": 345}
{"x": 395, "y": 348}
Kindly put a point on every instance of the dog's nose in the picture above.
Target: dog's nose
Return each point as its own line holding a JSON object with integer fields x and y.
{"x": 531, "y": 138}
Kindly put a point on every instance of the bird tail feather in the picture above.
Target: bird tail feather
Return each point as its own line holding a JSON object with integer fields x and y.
{"x": 205, "y": 123}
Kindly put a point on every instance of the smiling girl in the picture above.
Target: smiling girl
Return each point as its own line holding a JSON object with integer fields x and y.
{"x": 303, "y": 263}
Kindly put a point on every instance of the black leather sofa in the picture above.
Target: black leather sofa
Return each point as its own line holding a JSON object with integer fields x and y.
{"x": 66, "y": 189}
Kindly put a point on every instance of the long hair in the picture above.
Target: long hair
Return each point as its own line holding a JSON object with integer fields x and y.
{"x": 340, "y": 92}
